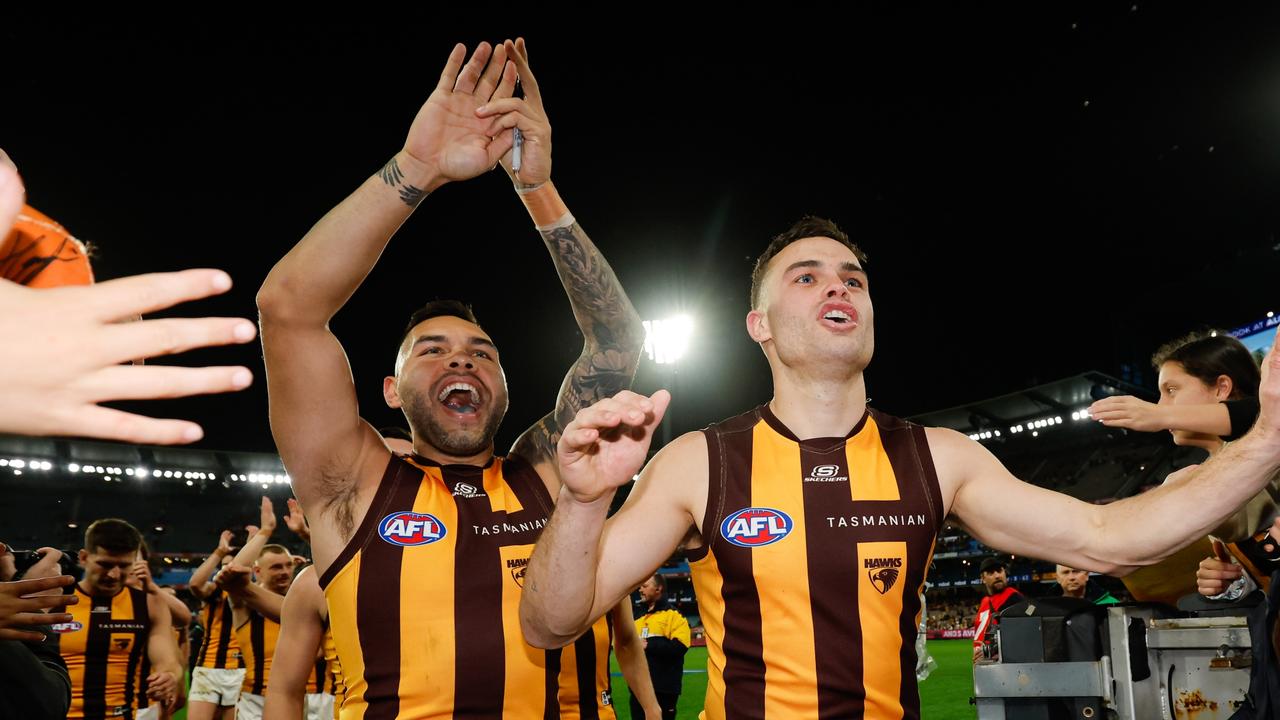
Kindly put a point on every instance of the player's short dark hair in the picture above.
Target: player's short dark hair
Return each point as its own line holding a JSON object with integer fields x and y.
{"x": 112, "y": 535}
{"x": 439, "y": 308}
{"x": 806, "y": 227}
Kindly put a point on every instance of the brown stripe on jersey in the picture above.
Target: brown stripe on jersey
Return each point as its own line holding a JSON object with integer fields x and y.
{"x": 478, "y": 638}
{"x": 909, "y": 626}
{"x": 143, "y": 672}
{"x": 317, "y": 674}
{"x": 257, "y": 644}
{"x": 206, "y": 643}
{"x": 217, "y": 619}
{"x": 378, "y": 591}
{"x": 139, "y": 665}
{"x": 913, "y": 444}
{"x": 743, "y": 647}
{"x": 908, "y": 451}
{"x": 369, "y": 525}
{"x": 93, "y": 690}
{"x": 833, "y": 576}
{"x": 224, "y": 633}
{"x": 584, "y": 651}
{"x": 552, "y": 700}
{"x": 532, "y": 495}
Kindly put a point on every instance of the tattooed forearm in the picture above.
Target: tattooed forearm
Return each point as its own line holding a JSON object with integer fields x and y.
{"x": 603, "y": 311}
{"x": 393, "y": 177}
{"x": 594, "y": 377}
{"x": 610, "y": 325}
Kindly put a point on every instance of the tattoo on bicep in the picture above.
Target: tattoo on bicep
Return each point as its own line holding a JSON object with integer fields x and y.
{"x": 393, "y": 177}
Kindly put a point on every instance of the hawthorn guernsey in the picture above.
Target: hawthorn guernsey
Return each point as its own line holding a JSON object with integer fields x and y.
{"x": 408, "y": 528}
{"x": 755, "y": 527}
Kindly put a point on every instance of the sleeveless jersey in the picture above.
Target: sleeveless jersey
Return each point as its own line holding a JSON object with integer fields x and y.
{"x": 424, "y": 602}
{"x": 814, "y": 559}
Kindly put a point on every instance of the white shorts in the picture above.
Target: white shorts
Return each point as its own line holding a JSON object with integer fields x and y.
{"x": 320, "y": 706}
{"x": 250, "y": 706}
{"x": 150, "y": 712}
{"x": 216, "y": 686}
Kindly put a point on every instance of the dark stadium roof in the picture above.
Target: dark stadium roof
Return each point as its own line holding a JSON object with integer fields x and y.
{"x": 1060, "y": 397}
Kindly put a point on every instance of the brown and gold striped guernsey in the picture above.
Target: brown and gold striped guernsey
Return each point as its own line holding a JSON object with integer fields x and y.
{"x": 103, "y": 646}
{"x": 258, "y": 638}
{"x": 815, "y": 557}
{"x": 424, "y": 602}
{"x": 325, "y": 672}
{"x": 219, "y": 648}
{"x": 335, "y": 669}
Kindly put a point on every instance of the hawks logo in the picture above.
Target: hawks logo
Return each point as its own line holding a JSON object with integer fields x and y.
{"x": 883, "y": 572}
{"x": 518, "y": 568}
{"x": 755, "y": 527}
{"x": 408, "y": 528}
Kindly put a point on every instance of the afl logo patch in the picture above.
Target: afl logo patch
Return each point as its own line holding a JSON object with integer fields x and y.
{"x": 755, "y": 527}
{"x": 409, "y": 528}
{"x": 66, "y": 627}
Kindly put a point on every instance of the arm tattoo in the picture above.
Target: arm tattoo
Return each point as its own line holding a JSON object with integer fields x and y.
{"x": 393, "y": 177}
{"x": 610, "y": 325}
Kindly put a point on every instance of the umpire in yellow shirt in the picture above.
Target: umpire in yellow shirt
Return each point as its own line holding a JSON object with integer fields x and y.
{"x": 666, "y": 638}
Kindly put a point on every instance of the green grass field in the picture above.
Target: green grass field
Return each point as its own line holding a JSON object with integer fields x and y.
{"x": 943, "y": 696}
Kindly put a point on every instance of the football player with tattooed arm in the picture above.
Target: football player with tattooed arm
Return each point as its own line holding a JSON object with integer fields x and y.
{"x": 421, "y": 557}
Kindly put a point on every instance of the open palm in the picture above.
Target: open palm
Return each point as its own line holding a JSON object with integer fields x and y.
{"x": 447, "y": 134}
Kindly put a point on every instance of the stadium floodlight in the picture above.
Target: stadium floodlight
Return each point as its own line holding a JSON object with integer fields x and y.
{"x": 17, "y": 464}
{"x": 73, "y": 467}
{"x": 666, "y": 341}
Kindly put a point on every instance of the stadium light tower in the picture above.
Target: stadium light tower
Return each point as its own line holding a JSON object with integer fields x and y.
{"x": 665, "y": 342}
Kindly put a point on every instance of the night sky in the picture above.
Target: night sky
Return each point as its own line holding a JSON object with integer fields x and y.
{"x": 1041, "y": 191}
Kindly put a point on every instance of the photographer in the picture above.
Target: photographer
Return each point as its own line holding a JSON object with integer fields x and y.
{"x": 33, "y": 678}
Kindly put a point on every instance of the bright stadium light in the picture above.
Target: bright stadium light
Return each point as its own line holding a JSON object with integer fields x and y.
{"x": 666, "y": 341}
{"x": 73, "y": 467}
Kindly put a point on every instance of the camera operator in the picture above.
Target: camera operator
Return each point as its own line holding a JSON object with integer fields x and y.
{"x": 33, "y": 678}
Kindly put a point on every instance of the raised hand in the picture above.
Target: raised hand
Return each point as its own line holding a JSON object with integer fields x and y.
{"x": 506, "y": 113}
{"x": 447, "y": 138}
{"x": 605, "y": 445}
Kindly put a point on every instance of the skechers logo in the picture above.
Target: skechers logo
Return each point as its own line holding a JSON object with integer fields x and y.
{"x": 466, "y": 490}
{"x": 408, "y": 529}
{"x": 882, "y": 572}
{"x": 826, "y": 473}
{"x": 755, "y": 527}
